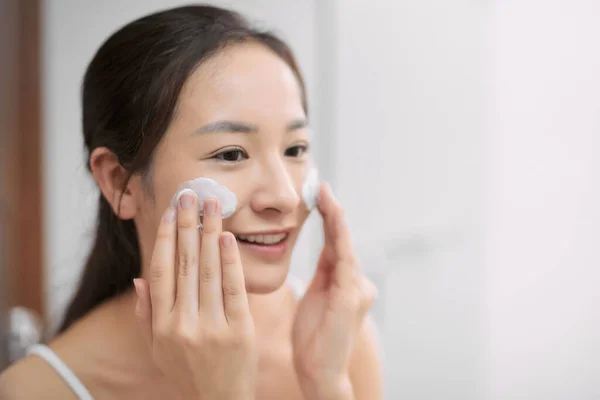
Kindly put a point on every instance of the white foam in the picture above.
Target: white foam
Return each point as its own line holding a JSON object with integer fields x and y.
{"x": 310, "y": 189}
{"x": 204, "y": 189}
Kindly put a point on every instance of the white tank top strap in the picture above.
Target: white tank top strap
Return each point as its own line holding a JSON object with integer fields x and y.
{"x": 62, "y": 369}
{"x": 298, "y": 286}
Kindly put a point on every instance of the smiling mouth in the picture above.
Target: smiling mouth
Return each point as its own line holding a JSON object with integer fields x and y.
{"x": 263, "y": 240}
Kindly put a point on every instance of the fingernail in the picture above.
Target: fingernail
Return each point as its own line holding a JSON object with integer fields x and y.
{"x": 136, "y": 284}
{"x": 226, "y": 240}
{"x": 210, "y": 207}
{"x": 186, "y": 200}
{"x": 169, "y": 215}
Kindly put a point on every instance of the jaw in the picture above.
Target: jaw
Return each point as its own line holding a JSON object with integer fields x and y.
{"x": 263, "y": 279}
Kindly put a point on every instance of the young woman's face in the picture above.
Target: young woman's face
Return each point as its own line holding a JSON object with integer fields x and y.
{"x": 240, "y": 121}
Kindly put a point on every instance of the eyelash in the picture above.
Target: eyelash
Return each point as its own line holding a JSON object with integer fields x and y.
{"x": 221, "y": 156}
{"x": 302, "y": 147}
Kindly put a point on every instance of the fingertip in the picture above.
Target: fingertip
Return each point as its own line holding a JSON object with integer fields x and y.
{"x": 227, "y": 240}
{"x": 324, "y": 196}
{"x": 211, "y": 220}
{"x": 136, "y": 285}
{"x": 187, "y": 191}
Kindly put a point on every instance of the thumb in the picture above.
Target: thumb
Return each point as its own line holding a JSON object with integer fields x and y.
{"x": 143, "y": 309}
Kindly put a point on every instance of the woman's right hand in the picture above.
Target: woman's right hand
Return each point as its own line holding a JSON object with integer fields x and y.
{"x": 193, "y": 308}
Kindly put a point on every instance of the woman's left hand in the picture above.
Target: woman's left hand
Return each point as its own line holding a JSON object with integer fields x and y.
{"x": 331, "y": 313}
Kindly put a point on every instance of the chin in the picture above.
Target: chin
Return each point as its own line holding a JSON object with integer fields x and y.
{"x": 264, "y": 279}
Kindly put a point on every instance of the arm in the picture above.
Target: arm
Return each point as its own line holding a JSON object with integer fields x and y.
{"x": 366, "y": 373}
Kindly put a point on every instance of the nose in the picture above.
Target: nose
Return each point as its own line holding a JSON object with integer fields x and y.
{"x": 276, "y": 190}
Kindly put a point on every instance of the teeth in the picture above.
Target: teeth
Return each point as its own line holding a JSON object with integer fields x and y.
{"x": 263, "y": 239}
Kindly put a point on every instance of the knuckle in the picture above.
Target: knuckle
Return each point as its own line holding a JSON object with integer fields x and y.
{"x": 231, "y": 290}
{"x": 228, "y": 260}
{"x": 229, "y": 263}
{"x": 163, "y": 236}
{"x": 354, "y": 303}
{"x": 187, "y": 338}
{"x": 213, "y": 337}
{"x": 156, "y": 273}
{"x": 161, "y": 334}
{"x": 183, "y": 332}
{"x": 353, "y": 263}
{"x": 367, "y": 291}
{"x": 207, "y": 273}
{"x": 187, "y": 262}
{"x": 187, "y": 222}
{"x": 347, "y": 301}
{"x": 371, "y": 289}
{"x": 208, "y": 227}
{"x": 244, "y": 336}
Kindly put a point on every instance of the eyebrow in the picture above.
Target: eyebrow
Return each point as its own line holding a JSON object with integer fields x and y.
{"x": 243, "y": 127}
{"x": 226, "y": 126}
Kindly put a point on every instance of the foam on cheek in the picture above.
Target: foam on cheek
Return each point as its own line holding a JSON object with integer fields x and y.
{"x": 310, "y": 189}
{"x": 204, "y": 189}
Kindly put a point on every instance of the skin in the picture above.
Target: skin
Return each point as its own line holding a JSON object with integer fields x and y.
{"x": 321, "y": 347}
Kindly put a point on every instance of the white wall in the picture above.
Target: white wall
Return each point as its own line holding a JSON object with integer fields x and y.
{"x": 73, "y": 31}
{"x": 409, "y": 122}
{"x": 542, "y": 240}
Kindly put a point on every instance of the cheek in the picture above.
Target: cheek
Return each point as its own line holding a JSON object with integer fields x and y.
{"x": 302, "y": 216}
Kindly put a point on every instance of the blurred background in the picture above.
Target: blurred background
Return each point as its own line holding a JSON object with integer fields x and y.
{"x": 461, "y": 137}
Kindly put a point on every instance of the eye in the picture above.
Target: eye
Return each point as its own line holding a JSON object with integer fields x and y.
{"x": 296, "y": 151}
{"x": 232, "y": 155}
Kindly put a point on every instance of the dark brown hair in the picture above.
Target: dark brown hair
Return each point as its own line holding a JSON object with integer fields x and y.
{"x": 130, "y": 94}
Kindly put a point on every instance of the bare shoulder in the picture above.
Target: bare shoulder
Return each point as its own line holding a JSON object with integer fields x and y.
{"x": 32, "y": 378}
{"x": 366, "y": 372}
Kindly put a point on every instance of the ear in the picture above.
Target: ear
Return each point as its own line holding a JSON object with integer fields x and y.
{"x": 111, "y": 178}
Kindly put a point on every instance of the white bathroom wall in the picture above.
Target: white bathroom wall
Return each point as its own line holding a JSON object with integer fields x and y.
{"x": 73, "y": 31}
{"x": 409, "y": 120}
{"x": 542, "y": 239}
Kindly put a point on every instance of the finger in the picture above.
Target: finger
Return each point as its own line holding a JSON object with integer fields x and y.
{"x": 321, "y": 278}
{"x": 143, "y": 309}
{"x": 162, "y": 267}
{"x": 187, "y": 249}
{"x": 326, "y": 208}
{"x": 333, "y": 216}
{"x": 337, "y": 237}
{"x": 211, "y": 292}
{"x": 235, "y": 299}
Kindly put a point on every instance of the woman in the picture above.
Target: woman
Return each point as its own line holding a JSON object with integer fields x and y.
{"x": 183, "y": 93}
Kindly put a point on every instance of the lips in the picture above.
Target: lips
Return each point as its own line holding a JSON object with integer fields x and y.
{"x": 264, "y": 239}
{"x": 268, "y": 245}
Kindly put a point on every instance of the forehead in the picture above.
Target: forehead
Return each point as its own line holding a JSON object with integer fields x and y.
{"x": 242, "y": 81}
